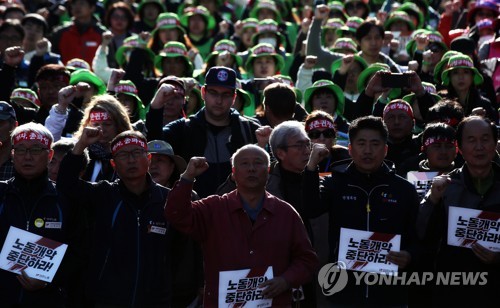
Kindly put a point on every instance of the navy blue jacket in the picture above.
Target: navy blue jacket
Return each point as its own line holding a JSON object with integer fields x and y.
{"x": 130, "y": 255}
{"x": 21, "y": 204}
{"x": 346, "y": 195}
{"x": 193, "y": 137}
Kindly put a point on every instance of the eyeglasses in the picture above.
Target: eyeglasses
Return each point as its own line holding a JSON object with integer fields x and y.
{"x": 33, "y": 151}
{"x": 315, "y": 134}
{"x": 224, "y": 96}
{"x": 300, "y": 146}
{"x": 123, "y": 155}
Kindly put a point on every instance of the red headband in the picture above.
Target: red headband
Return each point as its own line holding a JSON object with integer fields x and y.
{"x": 128, "y": 141}
{"x": 99, "y": 116}
{"x": 398, "y": 106}
{"x": 320, "y": 123}
{"x": 432, "y": 140}
{"x": 32, "y": 136}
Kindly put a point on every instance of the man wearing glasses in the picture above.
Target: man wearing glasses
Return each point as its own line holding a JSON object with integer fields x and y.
{"x": 129, "y": 240}
{"x": 248, "y": 228}
{"x": 214, "y": 132}
{"x": 29, "y": 199}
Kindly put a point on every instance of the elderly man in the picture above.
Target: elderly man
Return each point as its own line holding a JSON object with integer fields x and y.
{"x": 28, "y": 198}
{"x": 247, "y": 228}
{"x": 476, "y": 185}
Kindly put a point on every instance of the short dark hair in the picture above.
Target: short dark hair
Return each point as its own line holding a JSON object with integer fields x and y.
{"x": 280, "y": 98}
{"x": 368, "y": 122}
{"x": 440, "y": 130}
{"x": 445, "y": 109}
{"x": 51, "y": 70}
{"x": 366, "y": 27}
{"x": 14, "y": 24}
{"x": 461, "y": 127}
{"x": 120, "y": 6}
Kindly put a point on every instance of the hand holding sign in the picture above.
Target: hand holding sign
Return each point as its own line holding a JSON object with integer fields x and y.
{"x": 485, "y": 255}
{"x": 274, "y": 287}
{"x": 401, "y": 258}
{"x": 30, "y": 284}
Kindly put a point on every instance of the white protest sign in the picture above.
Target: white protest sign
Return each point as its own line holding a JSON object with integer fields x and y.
{"x": 240, "y": 288}
{"x": 421, "y": 180}
{"x": 467, "y": 227}
{"x": 367, "y": 251}
{"x": 38, "y": 256}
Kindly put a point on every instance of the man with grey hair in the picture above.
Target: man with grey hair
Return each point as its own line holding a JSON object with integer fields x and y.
{"x": 291, "y": 147}
{"x": 29, "y": 202}
{"x": 247, "y": 228}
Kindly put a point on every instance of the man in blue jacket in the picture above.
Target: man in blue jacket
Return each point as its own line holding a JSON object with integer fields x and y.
{"x": 129, "y": 253}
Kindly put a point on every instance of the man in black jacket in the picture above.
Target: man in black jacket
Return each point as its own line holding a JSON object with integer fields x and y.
{"x": 29, "y": 202}
{"x": 129, "y": 254}
{"x": 215, "y": 132}
{"x": 366, "y": 195}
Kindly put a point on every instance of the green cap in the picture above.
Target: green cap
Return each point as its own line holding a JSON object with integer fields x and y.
{"x": 225, "y": 45}
{"x": 83, "y": 75}
{"x": 173, "y": 50}
{"x": 262, "y": 50}
{"x": 325, "y": 84}
{"x": 168, "y": 21}
{"x": 127, "y": 87}
{"x": 352, "y": 24}
{"x": 399, "y": 16}
{"x": 460, "y": 61}
{"x": 130, "y": 43}
{"x": 412, "y": 9}
{"x": 268, "y": 26}
{"x": 345, "y": 43}
{"x": 266, "y": 4}
{"x": 158, "y": 3}
{"x": 198, "y": 10}
{"x": 441, "y": 65}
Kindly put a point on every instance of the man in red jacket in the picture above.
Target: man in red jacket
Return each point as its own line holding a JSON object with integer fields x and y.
{"x": 81, "y": 37}
{"x": 247, "y": 228}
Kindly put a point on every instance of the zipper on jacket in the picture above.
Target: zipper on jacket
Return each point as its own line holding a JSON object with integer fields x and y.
{"x": 105, "y": 263}
{"x": 368, "y": 210}
{"x": 138, "y": 255}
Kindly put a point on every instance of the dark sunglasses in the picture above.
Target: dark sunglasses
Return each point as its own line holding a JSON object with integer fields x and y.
{"x": 315, "y": 134}
{"x": 434, "y": 48}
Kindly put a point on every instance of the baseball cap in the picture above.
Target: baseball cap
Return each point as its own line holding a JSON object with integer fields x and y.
{"x": 221, "y": 76}
{"x": 163, "y": 148}
{"x": 6, "y": 111}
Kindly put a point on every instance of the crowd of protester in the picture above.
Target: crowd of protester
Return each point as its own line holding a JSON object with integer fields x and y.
{"x": 174, "y": 140}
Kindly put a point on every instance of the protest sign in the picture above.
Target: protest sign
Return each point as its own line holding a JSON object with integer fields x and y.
{"x": 38, "y": 256}
{"x": 468, "y": 226}
{"x": 421, "y": 180}
{"x": 367, "y": 251}
{"x": 240, "y": 288}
